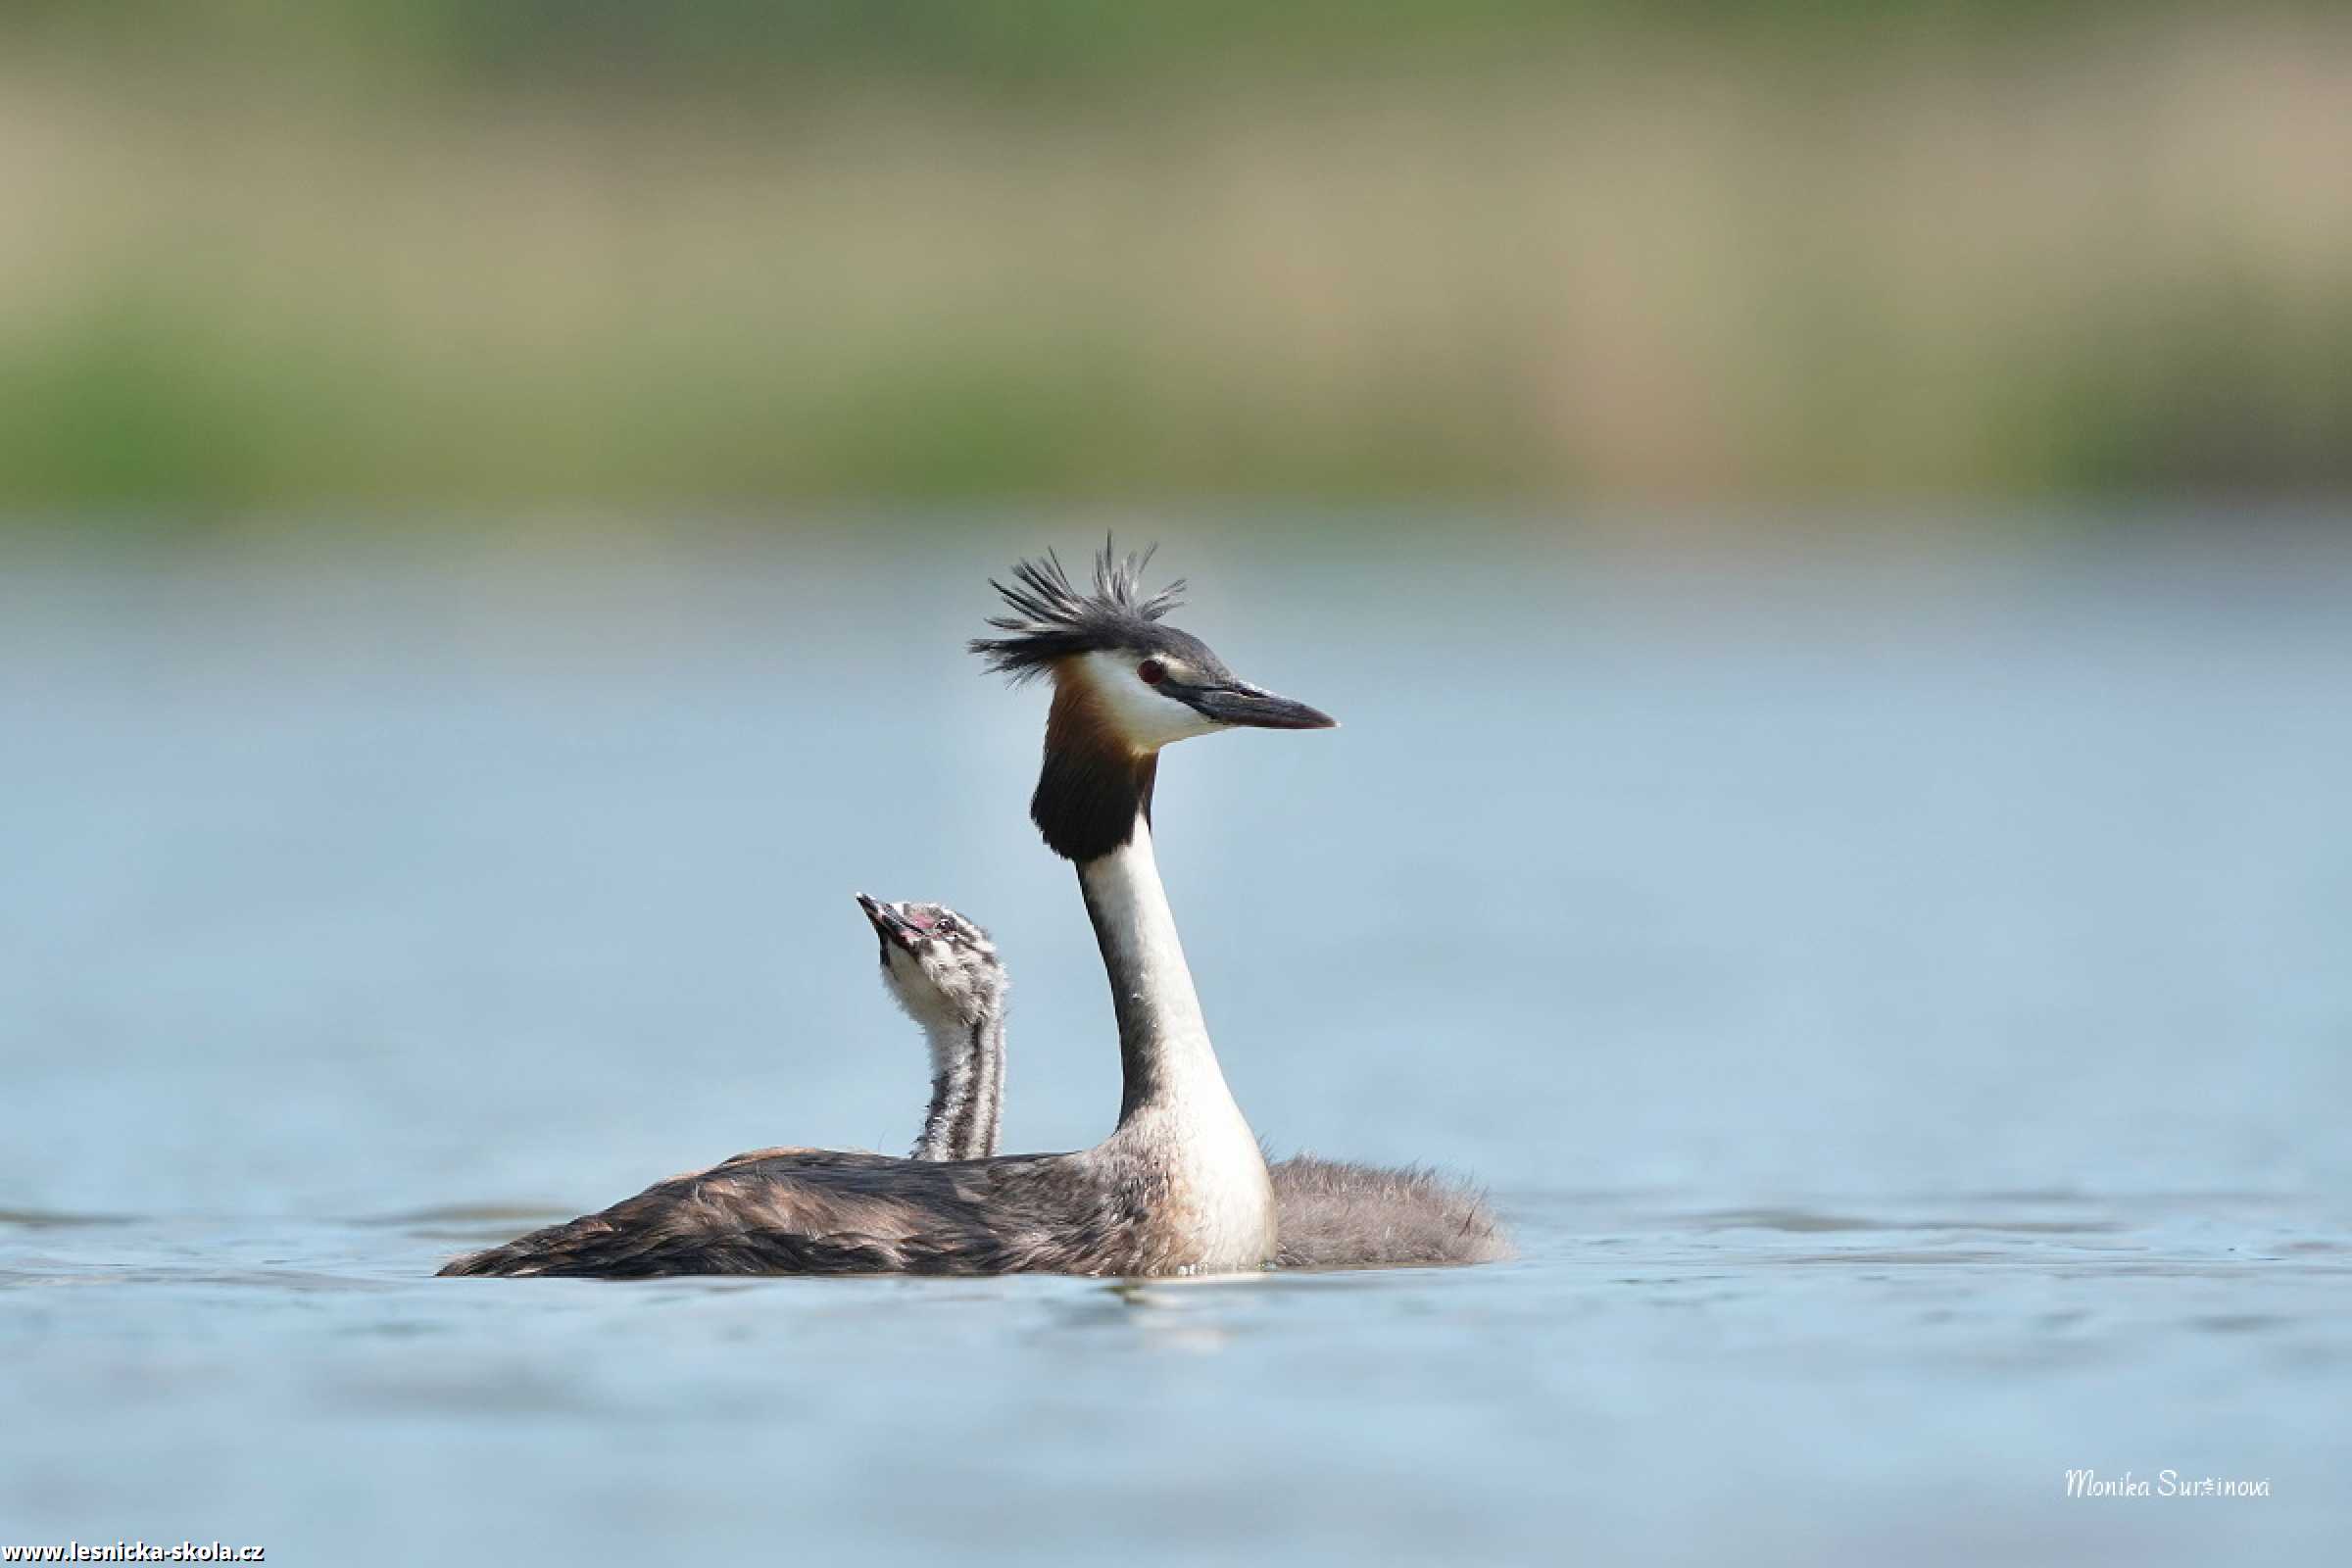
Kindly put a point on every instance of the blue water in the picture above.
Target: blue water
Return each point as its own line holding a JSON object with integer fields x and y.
{"x": 1896, "y": 997}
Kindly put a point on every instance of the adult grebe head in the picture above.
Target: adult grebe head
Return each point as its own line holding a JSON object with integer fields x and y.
{"x": 1125, "y": 684}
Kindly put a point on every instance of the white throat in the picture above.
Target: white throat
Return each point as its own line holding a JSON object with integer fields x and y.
{"x": 1176, "y": 1110}
{"x": 1146, "y": 719}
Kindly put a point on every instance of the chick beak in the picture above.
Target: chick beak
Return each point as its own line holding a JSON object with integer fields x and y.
{"x": 888, "y": 923}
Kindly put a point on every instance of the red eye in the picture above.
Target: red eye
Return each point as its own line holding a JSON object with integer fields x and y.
{"x": 1152, "y": 671}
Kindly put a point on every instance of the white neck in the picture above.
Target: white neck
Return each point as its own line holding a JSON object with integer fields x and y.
{"x": 1175, "y": 1109}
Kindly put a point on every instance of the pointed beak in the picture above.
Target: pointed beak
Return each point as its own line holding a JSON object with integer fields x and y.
{"x": 1253, "y": 706}
{"x": 888, "y": 924}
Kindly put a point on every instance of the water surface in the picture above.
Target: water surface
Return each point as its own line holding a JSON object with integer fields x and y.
{"x": 1898, "y": 1008}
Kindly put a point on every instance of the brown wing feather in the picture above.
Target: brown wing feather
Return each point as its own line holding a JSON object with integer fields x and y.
{"x": 803, "y": 1211}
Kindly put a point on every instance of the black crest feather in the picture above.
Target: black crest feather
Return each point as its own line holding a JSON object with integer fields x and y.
{"x": 1052, "y": 618}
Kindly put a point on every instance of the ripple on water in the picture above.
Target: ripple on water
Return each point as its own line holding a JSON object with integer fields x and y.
{"x": 58, "y": 1219}
{"x": 1805, "y": 1222}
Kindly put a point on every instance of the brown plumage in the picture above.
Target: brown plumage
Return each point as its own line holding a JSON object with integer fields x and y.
{"x": 816, "y": 1212}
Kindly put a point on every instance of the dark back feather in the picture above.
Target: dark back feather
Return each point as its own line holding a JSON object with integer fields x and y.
{"x": 816, "y": 1211}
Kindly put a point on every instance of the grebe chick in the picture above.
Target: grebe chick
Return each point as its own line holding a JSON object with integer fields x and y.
{"x": 1180, "y": 1186}
{"x": 945, "y": 972}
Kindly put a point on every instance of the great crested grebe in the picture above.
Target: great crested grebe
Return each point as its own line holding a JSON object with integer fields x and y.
{"x": 943, "y": 970}
{"x": 1180, "y": 1186}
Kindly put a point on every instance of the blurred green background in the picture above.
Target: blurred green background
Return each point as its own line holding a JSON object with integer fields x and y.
{"x": 610, "y": 255}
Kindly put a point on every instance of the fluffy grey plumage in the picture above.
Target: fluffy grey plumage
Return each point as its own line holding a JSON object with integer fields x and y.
{"x": 941, "y": 968}
{"x": 1337, "y": 1214}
